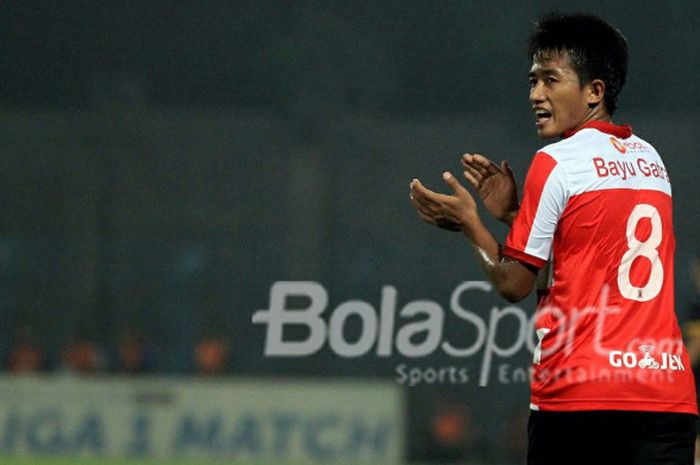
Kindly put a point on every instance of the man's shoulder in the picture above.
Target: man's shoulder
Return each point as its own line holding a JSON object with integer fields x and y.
{"x": 570, "y": 149}
{"x": 556, "y": 149}
{"x": 597, "y": 160}
{"x": 635, "y": 144}
{"x": 592, "y": 142}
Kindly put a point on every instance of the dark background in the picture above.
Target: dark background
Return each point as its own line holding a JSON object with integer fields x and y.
{"x": 164, "y": 163}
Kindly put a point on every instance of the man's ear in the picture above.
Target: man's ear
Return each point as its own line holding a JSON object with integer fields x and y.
{"x": 596, "y": 92}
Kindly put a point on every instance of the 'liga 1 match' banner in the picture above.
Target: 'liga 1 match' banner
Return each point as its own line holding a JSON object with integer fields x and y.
{"x": 275, "y": 421}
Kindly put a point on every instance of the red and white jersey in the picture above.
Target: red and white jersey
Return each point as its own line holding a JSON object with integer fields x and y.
{"x": 597, "y": 206}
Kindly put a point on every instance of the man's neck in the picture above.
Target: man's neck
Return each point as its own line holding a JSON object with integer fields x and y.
{"x": 597, "y": 113}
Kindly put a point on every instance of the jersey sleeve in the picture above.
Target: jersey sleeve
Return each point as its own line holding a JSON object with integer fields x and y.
{"x": 544, "y": 197}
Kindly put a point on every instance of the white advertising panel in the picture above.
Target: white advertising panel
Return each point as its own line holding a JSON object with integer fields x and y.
{"x": 267, "y": 420}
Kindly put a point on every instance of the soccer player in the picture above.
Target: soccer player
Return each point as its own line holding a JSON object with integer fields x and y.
{"x": 611, "y": 381}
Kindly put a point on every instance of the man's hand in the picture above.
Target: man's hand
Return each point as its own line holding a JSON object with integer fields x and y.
{"x": 452, "y": 212}
{"x": 495, "y": 185}
{"x": 457, "y": 212}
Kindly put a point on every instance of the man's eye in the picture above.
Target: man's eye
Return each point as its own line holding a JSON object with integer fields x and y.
{"x": 533, "y": 82}
{"x": 550, "y": 81}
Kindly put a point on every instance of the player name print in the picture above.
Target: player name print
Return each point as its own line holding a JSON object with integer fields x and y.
{"x": 627, "y": 169}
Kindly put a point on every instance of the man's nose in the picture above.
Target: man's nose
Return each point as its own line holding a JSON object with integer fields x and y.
{"x": 537, "y": 93}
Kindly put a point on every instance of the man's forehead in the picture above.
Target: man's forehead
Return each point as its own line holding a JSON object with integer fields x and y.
{"x": 551, "y": 62}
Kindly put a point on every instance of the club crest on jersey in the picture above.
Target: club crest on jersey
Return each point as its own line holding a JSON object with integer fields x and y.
{"x": 645, "y": 359}
{"x": 618, "y": 145}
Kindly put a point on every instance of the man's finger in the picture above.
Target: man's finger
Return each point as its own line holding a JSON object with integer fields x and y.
{"x": 493, "y": 168}
{"x": 427, "y": 218}
{"x": 420, "y": 198}
{"x": 419, "y": 192}
{"x": 438, "y": 220}
{"x": 417, "y": 187}
{"x": 426, "y": 195}
{"x": 488, "y": 165}
{"x": 482, "y": 166}
{"x": 482, "y": 160}
{"x": 472, "y": 180}
{"x": 474, "y": 173}
{"x": 425, "y": 212}
{"x": 453, "y": 182}
{"x": 507, "y": 169}
{"x": 422, "y": 203}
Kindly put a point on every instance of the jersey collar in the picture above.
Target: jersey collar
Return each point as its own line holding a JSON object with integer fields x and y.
{"x": 621, "y": 132}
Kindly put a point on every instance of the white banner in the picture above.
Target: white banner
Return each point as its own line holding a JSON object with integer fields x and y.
{"x": 267, "y": 420}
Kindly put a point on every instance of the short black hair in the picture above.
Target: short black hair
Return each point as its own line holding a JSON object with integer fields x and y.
{"x": 596, "y": 49}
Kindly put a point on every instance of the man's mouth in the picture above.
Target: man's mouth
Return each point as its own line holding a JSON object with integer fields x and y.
{"x": 542, "y": 116}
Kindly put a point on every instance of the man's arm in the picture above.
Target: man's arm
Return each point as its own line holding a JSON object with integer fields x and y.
{"x": 457, "y": 212}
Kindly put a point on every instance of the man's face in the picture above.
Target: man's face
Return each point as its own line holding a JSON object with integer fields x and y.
{"x": 557, "y": 97}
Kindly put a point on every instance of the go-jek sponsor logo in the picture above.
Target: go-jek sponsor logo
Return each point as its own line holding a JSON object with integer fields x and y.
{"x": 646, "y": 359}
{"x": 416, "y": 330}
